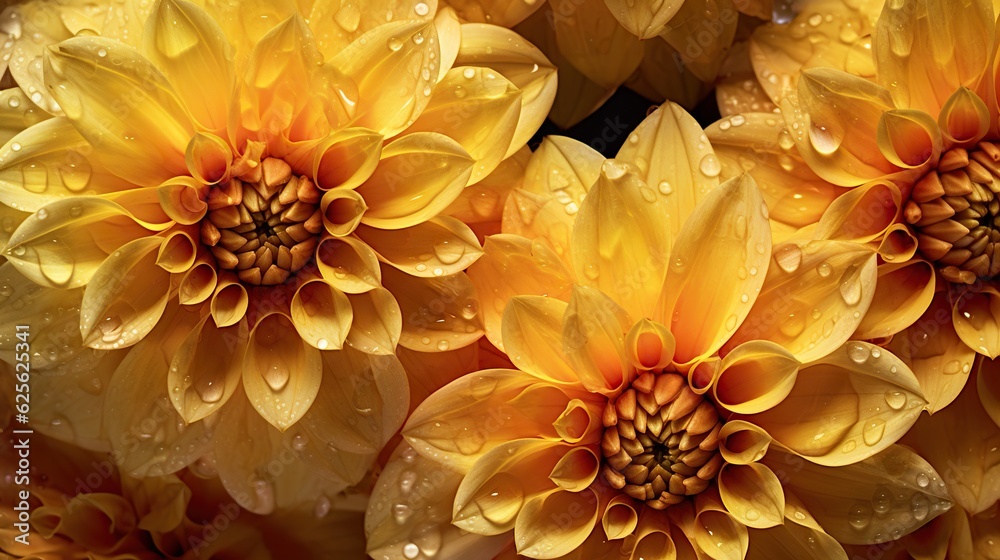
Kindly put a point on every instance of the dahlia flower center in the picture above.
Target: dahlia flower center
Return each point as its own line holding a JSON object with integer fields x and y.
{"x": 955, "y": 211}
{"x": 264, "y": 224}
{"x": 661, "y": 440}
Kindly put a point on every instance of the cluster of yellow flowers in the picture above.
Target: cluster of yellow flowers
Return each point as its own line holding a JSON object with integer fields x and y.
{"x": 301, "y": 279}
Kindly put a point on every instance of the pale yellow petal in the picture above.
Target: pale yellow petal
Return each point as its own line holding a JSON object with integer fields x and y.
{"x": 439, "y": 314}
{"x": 645, "y": 20}
{"x": 322, "y": 315}
{"x": 481, "y": 205}
{"x": 862, "y": 214}
{"x": 410, "y": 511}
{"x": 687, "y": 28}
{"x": 813, "y": 297}
{"x": 126, "y": 296}
{"x": 902, "y": 294}
{"x": 48, "y": 162}
{"x": 344, "y": 160}
{"x": 593, "y": 339}
{"x": 754, "y": 377}
{"x": 348, "y": 264}
{"x": 841, "y": 150}
{"x": 191, "y": 49}
{"x": 752, "y": 494}
{"x": 846, "y": 407}
{"x": 618, "y": 244}
{"x": 540, "y": 272}
{"x": 737, "y": 88}
{"x": 361, "y": 403}
{"x": 673, "y": 158}
{"x": 377, "y": 322}
{"x": 539, "y": 532}
{"x": 872, "y": 501}
{"x": 281, "y": 373}
{"x": 909, "y": 138}
{"x": 792, "y": 540}
{"x": 717, "y": 533}
{"x": 936, "y": 354}
{"x": 390, "y": 84}
{"x": 201, "y": 376}
{"x": 520, "y": 62}
{"x": 481, "y": 411}
{"x": 141, "y": 138}
{"x": 419, "y": 175}
{"x": 54, "y": 341}
{"x": 714, "y": 244}
{"x": 501, "y": 481}
{"x": 580, "y": 26}
{"x": 532, "y": 334}
{"x": 742, "y": 443}
{"x": 438, "y": 247}
{"x": 925, "y": 50}
{"x": 337, "y": 23}
{"x": 976, "y": 316}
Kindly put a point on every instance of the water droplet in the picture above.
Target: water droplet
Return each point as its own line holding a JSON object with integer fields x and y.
{"x": 895, "y": 399}
{"x": 322, "y": 344}
{"x": 823, "y": 139}
{"x": 395, "y": 44}
{"x": 860, "y": 516}
{"x": 824, "y": 269}
{"x": 500, "y": 499}
{"x": 276, "y": 378}
{"x": 14, "y": 101}
{"x": 858, "y": 352}
{"x": 469, "y": 73}
{"x": 849, "y": 445}
{"x": 16, "y": 147}
{"x": 793, "y": 325}
{"x": 102, "y": 53}
{"x": 665, "y": 187}
{"x": 873, "y": 431}
{"x": 411, "y": 550}
{"x": 752, "y": 514}
{"x": 788, "y": 257}
{"x": 710, "y": 166}
{"x": 919, "y": 506}
{"x": 421, "y": 9}
{"x": 322, "y": 507}
{"x": 952, "y": 367}
{"x": 850, "y": 285}
{"x": 882, "y": 499}
{"x": 442, "y": 345}
{"x": 407, "y": 479}
{"x": 401, "y": 512}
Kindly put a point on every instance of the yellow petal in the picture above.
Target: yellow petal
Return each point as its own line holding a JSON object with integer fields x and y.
{"x": 533, "y": 337}
{"x": 618, "y": 244}
{"x": 47, "y": 162}
{"x": 899, "y": 244}
{"x": 662, "y": 74}
{"x": 650, "y": 346}
{"x": 481, "y": 411}
{"x": 229, "y": 301}
{"x": 846, "y": 407}
{"x": 866, "y": 502}
{"x": 540, "y": 272}
{"x": 17, "y": 112}
{"x": 742, "y": 443}
{"x": 440, "y": 314}
{"x": 988, "y": 385}
{"x": 501, "y": 481}
{"x": 963, "y": 442}
{"x": 208, "y": 158}
{"x": 281, "y": 373}
{"x": 759, "y": 144}
{"x": 346, "y": 159}
{"x": 902, "y": 294}
{"x": 337, "y": 23}
{"x": 481, "y": 205}
{"x": 644, "y": 20}
{"x": 361, "y": 402}
{"x": 348, "y": 264}
{"x": 583, "y": 25}
{"x": 385, "y": 63}
{"x": 322, "y": 315}
{"x": 687, "y": 28}
{"x": 936, "y": 354}
{"x": 841, "y": 150}
{"x": 139, "y": 419}
{"x": 752, "y": 494}
{"x": 813, "y": 297}
{"x": 58, "y": 340}
{"x": 908, "y": 139}
{"x": 417, "y": 495}
{"x": 180, "y": 199}
{"x": 377, "y": 322}
{"x": 755, "y": 376}
{"x": 681, "y": 177}
{"x": 926, "y": 50}
{"x": 793, "y": 540}
{"x": 178, "y": 252}
{"x": 126, "y": 296}
{"x": 438, "y": 247}
{"x": 620, "y": 518}
{"x": 192, "y": 51}
{"x": 520, "y": 62}
{"x": 540, "y": 532}
{"x": 716, "y": 532}
{"x": 594, "y": 328}
{"x": 203, "y": 375}
{"x": 738, "y": 91}
{"x": 964, "y": 119}
{"x": 713, "y": 244}
{"x": 479, "y": 109}
{"x": 199, "y": 282}
{"x": 141, "y": 138}
{"x": 780, "y": 51}
{"x": 975, "y": 318}
{"x": 419, "y": 175}
{"x": 342, "y": 211}
{"x": 862, "y": 214}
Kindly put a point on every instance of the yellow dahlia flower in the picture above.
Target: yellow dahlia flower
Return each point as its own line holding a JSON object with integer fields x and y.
{"x": 887, "y": 135}
{"x": 963, "y": 443}
{"x": 234, "y": 208}
{"x": 81, "y": 506}
{"x": 628, "y": 429}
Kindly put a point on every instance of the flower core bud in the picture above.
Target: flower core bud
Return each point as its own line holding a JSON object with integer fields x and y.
{"x": 955, "y": 211}
{"x": 264, "y": 224}
{"x": 661, "y": 440}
